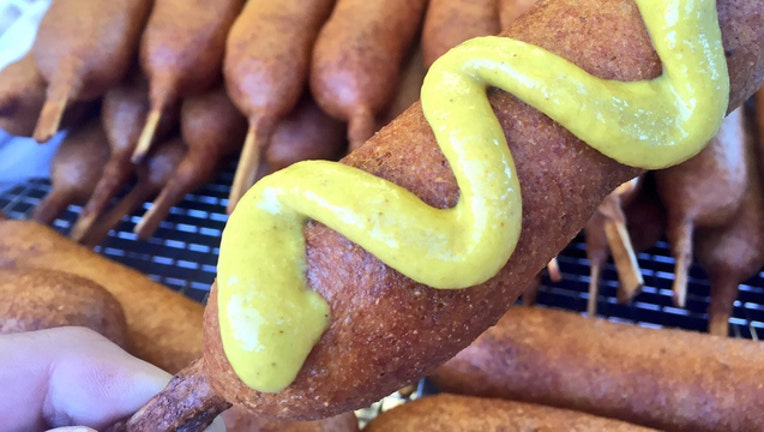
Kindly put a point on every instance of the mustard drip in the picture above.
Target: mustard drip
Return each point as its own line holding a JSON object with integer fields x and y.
{"x": 269, "y": 317}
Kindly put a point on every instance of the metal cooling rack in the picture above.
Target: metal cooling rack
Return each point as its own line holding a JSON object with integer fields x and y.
{"x": 183, "y": 255}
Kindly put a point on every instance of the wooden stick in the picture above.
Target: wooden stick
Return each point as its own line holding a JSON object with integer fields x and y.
{"x": 147, "y": 135}
{"x": 553, "y": 269}
{"x": 52, "y": 112}
{"x": 629, "y": 274}
{"x": 249, "y": 161}
{"x": 595, "y": 270}
{"x": 52, "y": 206}
{"x": 630, "y": 281}
{"x": 100, "y": 229}
{"x": 164, "y": 412}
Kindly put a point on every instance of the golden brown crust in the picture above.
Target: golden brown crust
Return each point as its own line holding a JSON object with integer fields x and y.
{"x": 446, "y": 412}
{"x": 182, "y": 47}
{"x": 123, "y": 113}
{"x": 707, "y": 188}
{"x": 386, "y": 330}
{"x": 448, "y": 23}
{"x": 96, "y": 50}
{"x": 261, "y": 79}
{"x": 238, "y": 419}
{"x": 667, "y": 379}
{"x": 22, "y": 94}
{"x": 266, "y": 66}
{"x": 37, "y": 299}
{"x": 305, "y": 133}
{"x": 75, "y": 169}
{"x": 82, "y": 49}
{"x": 704, "y": 192}
{"x": 733, "y": 252}
{"x": 510, "y": 10}
{"x": 357, "y": 60}
{"x": 563, "y": 181}
{"x": 365, "y": 355}
{"x": 213, "y": 130}
{"x": 164, "y": 327}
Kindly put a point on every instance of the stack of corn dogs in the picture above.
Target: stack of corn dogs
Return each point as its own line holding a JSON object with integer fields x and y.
{"x": 387, "y": 330}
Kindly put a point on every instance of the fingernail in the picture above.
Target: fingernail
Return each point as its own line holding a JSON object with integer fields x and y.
{"x": 216, "y": 426}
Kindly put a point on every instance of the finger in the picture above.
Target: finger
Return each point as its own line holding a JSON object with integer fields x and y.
{"x": 24, "y": 371}
{"x": 94, "y": 382}
{"x": 216, "y": 426}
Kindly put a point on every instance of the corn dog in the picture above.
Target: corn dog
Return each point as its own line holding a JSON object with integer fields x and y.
{"x": 152, "y": 174}
{"x": 181, "y": 53}
{"x": 448, "y": 23}
{"x": 123, "y": 113}
{"x": 734, "y": 251}
{"x": 266, "y": 67}
{"x": 356, "y": 361}
{"x": 212, "y": 130}
{"x": 238, "y": 420}
{"x": 82, "y": 49}
{"x": 662, "y": 378}
{"x": 74, "y": 171}
{"x": 705, "y": 191}
{"x": 447, "y": 412}
{"x": 22, "y": 94}
{"x": 358, "y": 57}
{"x": 36, "y": 299}
{"x": 306, "y": 133}
{"x": 164, "y": 327}
{"x": 510, "y": 10}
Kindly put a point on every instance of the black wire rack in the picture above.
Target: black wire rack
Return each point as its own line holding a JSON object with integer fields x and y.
{"x": 183, "y": 255}
{"x": 183, "y": 252}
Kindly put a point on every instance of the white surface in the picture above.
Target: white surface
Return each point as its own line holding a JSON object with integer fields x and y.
{"x": 21, "y": 158}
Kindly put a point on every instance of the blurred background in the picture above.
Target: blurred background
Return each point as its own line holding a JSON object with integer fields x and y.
{"x": 21, "y": 158}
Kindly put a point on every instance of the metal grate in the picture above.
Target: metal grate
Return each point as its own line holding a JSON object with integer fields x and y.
{"x": 183, "y": 255}
{"x": 653, "y": 307}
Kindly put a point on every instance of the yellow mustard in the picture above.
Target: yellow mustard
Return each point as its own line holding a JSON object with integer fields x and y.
{"x": 269, "y": 317}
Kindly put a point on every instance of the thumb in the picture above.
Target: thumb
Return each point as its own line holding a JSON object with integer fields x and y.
{"x": 216, "y": 426}
{"x": 94, "y": 382}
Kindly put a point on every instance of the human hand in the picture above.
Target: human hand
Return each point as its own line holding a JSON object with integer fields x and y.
{"x": 71, "y": 376}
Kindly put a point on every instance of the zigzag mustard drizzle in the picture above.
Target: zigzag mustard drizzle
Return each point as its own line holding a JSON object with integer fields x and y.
{"x": 269, "y": 317}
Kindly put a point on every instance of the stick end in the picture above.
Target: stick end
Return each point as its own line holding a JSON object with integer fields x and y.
{"x": 147, "y": 136}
